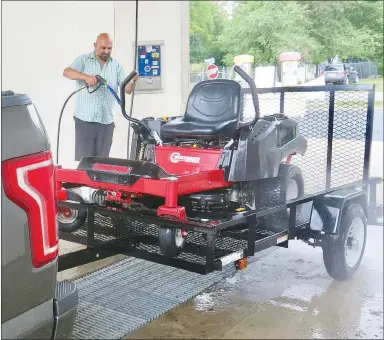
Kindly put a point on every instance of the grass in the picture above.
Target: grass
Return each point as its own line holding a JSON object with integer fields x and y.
{"x": 377, "y": 81}
{"x": 378, "y": 90}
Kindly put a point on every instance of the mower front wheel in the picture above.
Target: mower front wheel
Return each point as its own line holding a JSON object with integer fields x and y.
{"x": 69, "y": 219}
{"x": 171, "y": 241}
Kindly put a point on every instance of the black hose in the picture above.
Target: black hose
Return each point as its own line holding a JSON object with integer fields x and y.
{"x": 134, "y": 67}
{"x": 59, "y": 125}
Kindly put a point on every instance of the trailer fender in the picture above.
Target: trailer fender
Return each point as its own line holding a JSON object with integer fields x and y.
{"x": 327, "y": 210}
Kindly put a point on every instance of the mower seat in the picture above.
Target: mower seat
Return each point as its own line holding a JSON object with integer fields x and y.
{"x": 212, "y": 112}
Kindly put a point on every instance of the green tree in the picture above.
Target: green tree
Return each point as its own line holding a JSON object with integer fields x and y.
{"x": 207, "y": 20}
{"x": 346, "y": 28}
{"x": 319, "y": 30}
{"x": 265, "y": 29}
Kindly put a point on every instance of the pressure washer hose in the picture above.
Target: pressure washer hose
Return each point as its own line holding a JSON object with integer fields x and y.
{"x": 59, "y": 125}
{"x": 66, "y": 101}
{"x": 114, "y": 94}
{"x": 134, "y": 67}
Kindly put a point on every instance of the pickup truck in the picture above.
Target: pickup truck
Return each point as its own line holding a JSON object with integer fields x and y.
{"x": 34, "y": 304}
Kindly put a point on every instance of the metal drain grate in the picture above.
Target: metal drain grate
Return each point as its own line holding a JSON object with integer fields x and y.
{"x": 118, "y": 299}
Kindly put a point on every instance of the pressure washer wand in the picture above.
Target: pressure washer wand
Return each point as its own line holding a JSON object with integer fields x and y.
{"x": 102, "y": 81}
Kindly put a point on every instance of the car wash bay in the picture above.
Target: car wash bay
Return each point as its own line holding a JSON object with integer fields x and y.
{"x": 126, "y": 297}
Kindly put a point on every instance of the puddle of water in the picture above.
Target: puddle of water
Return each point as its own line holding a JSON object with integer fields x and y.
{"x": 204, "y": 303}
{"x": 318, "y": 333}
{"x": 303, "y": 291}
{"x": 289, "y": 306}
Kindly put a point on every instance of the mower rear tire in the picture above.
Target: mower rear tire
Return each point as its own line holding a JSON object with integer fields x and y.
{"x": 171, "y": 241}
{"x": 288, "y": 185}
{"x": 291, "y": 183}
{"x": 71, "y": 220}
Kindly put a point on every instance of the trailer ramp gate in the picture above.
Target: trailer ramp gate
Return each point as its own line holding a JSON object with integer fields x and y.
{"x": 122, "y": 297}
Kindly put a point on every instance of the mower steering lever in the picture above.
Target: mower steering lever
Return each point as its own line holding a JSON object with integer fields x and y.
{"x": 131, "y": 119}
{"x": 252, "y": 85}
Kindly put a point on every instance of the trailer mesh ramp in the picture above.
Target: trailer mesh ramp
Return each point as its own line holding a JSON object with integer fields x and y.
{"x": 118, "y": 299}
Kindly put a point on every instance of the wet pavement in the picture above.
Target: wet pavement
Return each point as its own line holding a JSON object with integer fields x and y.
{"x": 284, "y": 294}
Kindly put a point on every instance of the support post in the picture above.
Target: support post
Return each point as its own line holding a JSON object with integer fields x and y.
{"x": 91, "y": 228}
{"x": 210, "y": 255}
{"x": 252, "y": 221}
{"x": 368, "y": 133}
{"x": 282, "y": 102}
{"x": 331, "y": 116}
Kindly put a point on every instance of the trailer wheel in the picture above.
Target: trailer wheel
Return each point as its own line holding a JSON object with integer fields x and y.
{"x": 342, "y": 254}
{"x": 171, "y": 241}
{"x": 71, "y": 220}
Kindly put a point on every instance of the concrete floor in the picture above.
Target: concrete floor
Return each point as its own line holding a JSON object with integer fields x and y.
{"x": 284, "y": 293}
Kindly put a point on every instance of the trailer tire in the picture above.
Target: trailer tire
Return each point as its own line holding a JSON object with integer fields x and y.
{"x": 71, "y": 220}
{"x": 171, "y": 241}
{"x": 352, "y": 233}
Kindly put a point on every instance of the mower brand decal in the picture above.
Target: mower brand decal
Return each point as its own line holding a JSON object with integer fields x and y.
{"x": 120, "y": 169}
{"x": 176, "y": 157}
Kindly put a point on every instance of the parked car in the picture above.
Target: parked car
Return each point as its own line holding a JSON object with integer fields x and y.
{"x": 340, "y": 74}
{"x": 34, "y": 304}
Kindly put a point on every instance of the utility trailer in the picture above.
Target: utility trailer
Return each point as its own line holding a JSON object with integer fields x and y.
{"x": 333, "y": 210}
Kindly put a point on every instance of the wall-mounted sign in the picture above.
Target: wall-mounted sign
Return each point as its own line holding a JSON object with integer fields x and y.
{"x": 149, "y": 61}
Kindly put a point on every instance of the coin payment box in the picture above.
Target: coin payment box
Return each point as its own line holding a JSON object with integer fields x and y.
{"x": 149, "y": 66}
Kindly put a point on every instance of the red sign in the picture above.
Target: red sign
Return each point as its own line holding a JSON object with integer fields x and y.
{"x": 119, "y": 169}
{"x": 181, "y": 161}
{"x": 212, "y": 71}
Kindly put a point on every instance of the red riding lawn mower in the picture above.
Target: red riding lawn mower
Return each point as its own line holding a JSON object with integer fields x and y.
{"x": 197, "y": 170}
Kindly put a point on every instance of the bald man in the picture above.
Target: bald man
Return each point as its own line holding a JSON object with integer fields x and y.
{"x": 94, "y": 123}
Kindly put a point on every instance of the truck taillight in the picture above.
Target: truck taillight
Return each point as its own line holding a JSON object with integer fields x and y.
{"x": 29, "y": 182}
